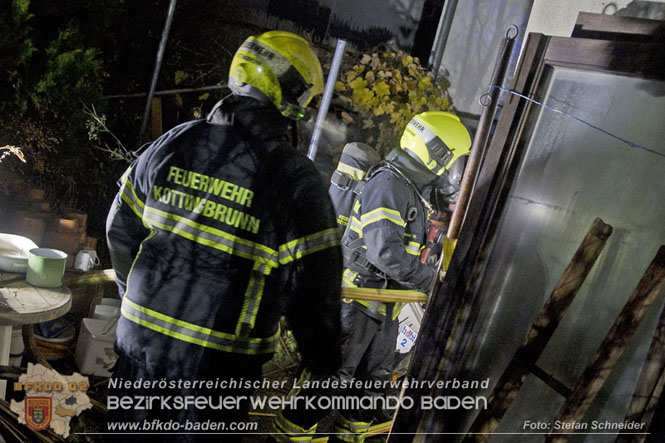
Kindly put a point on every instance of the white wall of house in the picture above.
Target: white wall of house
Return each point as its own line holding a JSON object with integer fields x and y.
{"x": 558, "y": 17}
{"x": 479, "y": 25}
{"x": 475, "y": 36}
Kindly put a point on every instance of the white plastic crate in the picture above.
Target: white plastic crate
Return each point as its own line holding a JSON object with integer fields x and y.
{"x": 94, "y": 350}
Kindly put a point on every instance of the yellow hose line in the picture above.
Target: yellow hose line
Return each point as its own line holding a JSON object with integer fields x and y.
{"x": 384, "y": 295}
{"x": 90, "y": 278}
{"x": 262, "y": 414}
{"x": 381, "y": 428}
{"x": 368, "y": 294}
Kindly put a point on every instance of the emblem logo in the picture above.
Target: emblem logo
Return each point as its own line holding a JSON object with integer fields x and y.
{"x": 38, "y": 412}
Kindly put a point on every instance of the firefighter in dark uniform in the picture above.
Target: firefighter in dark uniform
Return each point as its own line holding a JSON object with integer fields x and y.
{"x": 382, "y": 242}
{"x": 220, "y": 226}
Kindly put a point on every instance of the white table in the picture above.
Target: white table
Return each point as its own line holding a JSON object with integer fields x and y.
{"x": 24, "y": 304}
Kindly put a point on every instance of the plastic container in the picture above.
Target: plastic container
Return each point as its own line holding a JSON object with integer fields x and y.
{"x": 17, "y": 347}
{"x": 56, "y": 328}
{"x": 58, "y": 347}
{"x": 86, "y": 259}
{"x": 106, "y": 312}
{"x": 14, "y": 252}
{"x": 46, "y": 267}
{"x": 94, "y": 350}
{"x": 111, "y": 302}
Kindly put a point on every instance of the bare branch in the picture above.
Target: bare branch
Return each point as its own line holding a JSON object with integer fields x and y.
{"x": 97, "y": 126}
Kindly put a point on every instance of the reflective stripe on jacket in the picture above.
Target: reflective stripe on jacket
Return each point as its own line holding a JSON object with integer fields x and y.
{"x": 218, "y": 229}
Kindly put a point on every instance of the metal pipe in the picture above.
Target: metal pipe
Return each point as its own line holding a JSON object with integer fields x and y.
{"x": 158, "y": 65}
{"x": 483, "y": 131}
{"x": 441, "y": 37}
{"x": 332, "y": 11}
{"x": 327, "y": 97}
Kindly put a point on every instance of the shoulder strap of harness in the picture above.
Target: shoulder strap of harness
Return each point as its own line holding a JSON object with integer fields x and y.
{"x": 395, "y": 170}
{"x": 345, "y": 183}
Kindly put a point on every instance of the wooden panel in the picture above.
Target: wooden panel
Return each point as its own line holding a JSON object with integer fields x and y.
{"x": 613, "y": 27}
{"x": 629, "y": 58}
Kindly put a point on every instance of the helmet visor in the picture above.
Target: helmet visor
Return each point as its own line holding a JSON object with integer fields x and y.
{"x": 294, "y": 87}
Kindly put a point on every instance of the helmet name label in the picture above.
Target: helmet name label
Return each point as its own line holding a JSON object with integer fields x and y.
{"x": 259, "y": 49}
{"x": 416, "y": 124}
{"x": 272, "y": 60}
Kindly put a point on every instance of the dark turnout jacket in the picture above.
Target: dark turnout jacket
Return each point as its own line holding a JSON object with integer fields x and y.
{"x": 386, "y": 232}
{"x": 218, "y": 228}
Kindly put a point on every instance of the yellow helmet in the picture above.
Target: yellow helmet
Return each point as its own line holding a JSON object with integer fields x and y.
{"x": 436, "y": 139}
{"x": 279, "y": 66}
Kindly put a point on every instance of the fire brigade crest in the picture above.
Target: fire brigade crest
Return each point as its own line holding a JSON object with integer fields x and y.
{"x": 38, "y": 412}
{"x": 51, "y": 399}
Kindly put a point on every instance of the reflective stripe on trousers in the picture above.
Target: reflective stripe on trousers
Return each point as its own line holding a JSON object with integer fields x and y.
{"x": 285, "y": 431}
{"x": 351, "y": 431}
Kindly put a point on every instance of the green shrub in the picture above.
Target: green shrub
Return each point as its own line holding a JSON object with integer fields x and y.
{"x": 16, "y": 49}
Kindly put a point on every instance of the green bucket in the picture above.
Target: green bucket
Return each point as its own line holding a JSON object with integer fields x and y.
{"x": 46, "y": 267}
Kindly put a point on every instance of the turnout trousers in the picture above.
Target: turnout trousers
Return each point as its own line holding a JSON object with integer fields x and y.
{"x": 368, "y": 353}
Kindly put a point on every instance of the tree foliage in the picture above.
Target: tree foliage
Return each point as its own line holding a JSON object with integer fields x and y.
{"x": 73, "y": 75}
{"x": 47, "y": 80}
{"x": 385, "y": 89}
{"x": 16, "y": 49}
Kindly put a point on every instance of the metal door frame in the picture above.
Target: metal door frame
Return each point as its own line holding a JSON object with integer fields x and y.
{"x": 437, "y": 354}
